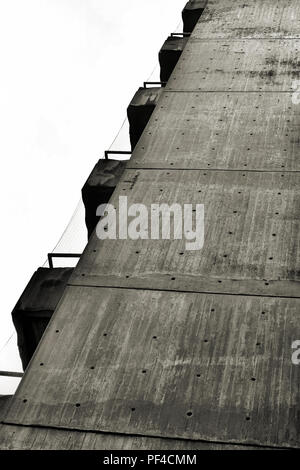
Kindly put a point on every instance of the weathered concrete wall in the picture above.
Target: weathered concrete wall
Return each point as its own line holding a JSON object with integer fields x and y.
{"x": 99, "y": 187}
{"x": 191, "y": 14}
{"x": 170, "y": 344}
{"x": 35, "y": 308}
{"x": 32, "y": 438}
{"x": 4, "y": 402}
{"x": 140, "y": 110}
{"x": 169, "y": 55}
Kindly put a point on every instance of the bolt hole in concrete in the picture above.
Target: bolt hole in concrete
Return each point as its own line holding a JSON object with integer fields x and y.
{"x": 77, "y": 405}
{"x": 189, "y": 414}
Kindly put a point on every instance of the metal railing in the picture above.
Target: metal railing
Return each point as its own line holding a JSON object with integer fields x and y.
{"x": 61, "y": 255}
{"x": 116, "y": 152}
{"x": 181, "y": 35}
{"x": 5, "y": 373}
{"x": 154, "y": 83}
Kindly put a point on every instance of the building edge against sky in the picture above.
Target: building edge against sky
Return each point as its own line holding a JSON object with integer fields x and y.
{"x": 196, "y": 350}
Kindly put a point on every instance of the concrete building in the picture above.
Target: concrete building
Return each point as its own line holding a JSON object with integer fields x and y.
{"x": 156, "y": 347}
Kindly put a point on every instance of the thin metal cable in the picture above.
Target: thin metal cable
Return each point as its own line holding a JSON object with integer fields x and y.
{"x": 12, "y": 335}
{"x": 76, "y": 212}
{"x": 119, "y": 133}
{"x": 70, "y": 222}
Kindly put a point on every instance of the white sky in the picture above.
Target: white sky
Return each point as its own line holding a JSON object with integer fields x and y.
{"x": 69, "y": 68}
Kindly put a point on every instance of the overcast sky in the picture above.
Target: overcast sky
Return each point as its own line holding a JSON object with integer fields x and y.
{"x": 69, "y": 68}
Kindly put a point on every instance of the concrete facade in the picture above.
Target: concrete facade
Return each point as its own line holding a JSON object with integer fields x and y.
{"x": 159, "y": 344}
